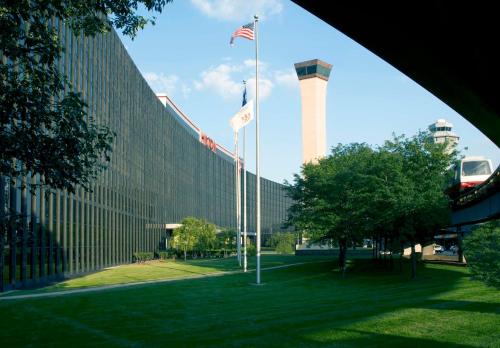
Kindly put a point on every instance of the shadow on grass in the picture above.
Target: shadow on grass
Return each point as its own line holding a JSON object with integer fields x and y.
{"x": 157, "y": 271}
{"x": 305, "y": 305}
{"x": 468, "y": 306}
{"x": 359, "y": 338}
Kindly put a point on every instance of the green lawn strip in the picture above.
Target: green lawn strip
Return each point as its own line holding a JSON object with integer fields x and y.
{"x": 160, "y": 270}
{"x": 307, "y": 305}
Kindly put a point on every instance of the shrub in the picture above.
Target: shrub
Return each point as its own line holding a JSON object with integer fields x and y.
{"x": 284, "y": 247}
{"x": 164, "y": 255}
{"x": 283, "y": 242}
{"x": 251, "y": 250}
{"x": 482, "y": 250}
{"x": 142, "y": 256}
{"x": 215, "y": 253}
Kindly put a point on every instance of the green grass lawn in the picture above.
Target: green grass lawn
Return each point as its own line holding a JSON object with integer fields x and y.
{"x": 162, "y": 270}
{"x": 302, "y": 306}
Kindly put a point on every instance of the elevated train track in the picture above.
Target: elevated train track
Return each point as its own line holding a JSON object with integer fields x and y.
{"x": 480, "y": 204}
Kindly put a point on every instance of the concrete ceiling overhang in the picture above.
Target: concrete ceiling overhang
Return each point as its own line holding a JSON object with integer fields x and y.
{"x": 449, "y": 48}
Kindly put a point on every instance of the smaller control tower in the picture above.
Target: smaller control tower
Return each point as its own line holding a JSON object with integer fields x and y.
{"x": 441, "y": 133}
{"x": 313, "y": 76}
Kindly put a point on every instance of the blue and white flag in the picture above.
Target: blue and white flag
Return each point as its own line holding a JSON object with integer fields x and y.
{"x": 242, "y": 117}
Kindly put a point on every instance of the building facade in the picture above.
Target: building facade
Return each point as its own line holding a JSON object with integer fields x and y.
{"x": 160, "y": 172}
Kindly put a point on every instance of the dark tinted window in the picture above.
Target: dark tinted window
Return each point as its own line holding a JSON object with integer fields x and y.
{"x": 476, "y": 168}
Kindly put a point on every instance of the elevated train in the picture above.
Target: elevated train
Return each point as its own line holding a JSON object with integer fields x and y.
{"x": 469, "y": 172}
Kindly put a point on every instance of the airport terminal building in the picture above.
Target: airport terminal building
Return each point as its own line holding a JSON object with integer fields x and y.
{"x": 163, "y": 168}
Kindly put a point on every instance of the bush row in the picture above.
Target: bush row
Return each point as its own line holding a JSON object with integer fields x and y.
{"x": 174, "y": 254}
{"x": 142, "y": 256}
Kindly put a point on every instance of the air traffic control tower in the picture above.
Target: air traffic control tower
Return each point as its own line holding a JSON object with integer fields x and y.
{"x": 313, "y": 76}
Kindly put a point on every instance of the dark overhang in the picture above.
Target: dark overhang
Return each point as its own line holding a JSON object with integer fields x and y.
{"x": 449, "y": 48}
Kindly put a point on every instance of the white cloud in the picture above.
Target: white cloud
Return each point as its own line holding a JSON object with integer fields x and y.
{"x": 287, "y": 78}
{"x": 219, "y": 80}
{"x": 265, "y": 88}
{"x": 185, "y": 90}
{"x": 161, "y": 83}
{"x": 250, "y": 63}
{"x": 226, "y": 81}
{"x": 238, "y": 10}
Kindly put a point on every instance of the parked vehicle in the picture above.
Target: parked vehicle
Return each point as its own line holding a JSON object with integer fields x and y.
{"x": 438, "y": 248}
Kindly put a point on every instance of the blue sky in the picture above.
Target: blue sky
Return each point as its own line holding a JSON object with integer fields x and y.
{"x": 187, "y": 55}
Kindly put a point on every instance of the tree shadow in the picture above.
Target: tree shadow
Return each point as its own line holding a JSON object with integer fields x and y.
{"x": 360, "y": 338}
{"x": 462, "y": 305}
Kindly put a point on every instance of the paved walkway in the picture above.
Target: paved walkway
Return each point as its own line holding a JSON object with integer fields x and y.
{"x": 157, "y": 281}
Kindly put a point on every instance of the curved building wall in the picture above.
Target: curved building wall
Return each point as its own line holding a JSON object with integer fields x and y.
{"x": 159, "y": 173}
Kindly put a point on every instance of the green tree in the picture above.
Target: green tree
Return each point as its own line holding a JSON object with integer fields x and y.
{"x": 283, "y": 242}
{"x": 45, "y": 128}
{"x": 395, "y": 193}
{"x": 205, "y": 237}
{"x": 482, "y": 249}
{"x": 185, "y": 237}
{"x": 44, "y": 124}
{"x": 330, "y": 197}
{"x": 227, "y": 240}
{"x": 422, "y": 205}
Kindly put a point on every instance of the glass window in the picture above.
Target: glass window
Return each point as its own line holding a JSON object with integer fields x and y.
{"x": 311, "y": 69}
{"x": 476, "y": 168}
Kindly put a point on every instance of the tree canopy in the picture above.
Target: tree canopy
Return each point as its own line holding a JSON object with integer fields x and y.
{"x": 395, "y": 191}
{"x": 482, "y": 249}
{"x": 45, "y": 127}
{"x": 194, "y": 236}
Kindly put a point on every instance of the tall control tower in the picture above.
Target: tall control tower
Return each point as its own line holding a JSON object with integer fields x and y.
{"x": 313, "y": 76}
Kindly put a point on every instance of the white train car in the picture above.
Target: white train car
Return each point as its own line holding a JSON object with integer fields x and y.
{"x": 469, "y": 172}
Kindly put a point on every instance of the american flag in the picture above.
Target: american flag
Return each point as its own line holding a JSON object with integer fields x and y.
{"x": 245, "y": 31}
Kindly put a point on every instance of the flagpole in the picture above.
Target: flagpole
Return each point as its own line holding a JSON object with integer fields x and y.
{"x": 244, "y": 197}
{"x": 257, "y": 147}
{"x": 237, "y": 190}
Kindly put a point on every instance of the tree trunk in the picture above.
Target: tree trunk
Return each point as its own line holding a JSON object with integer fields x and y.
{"x": 413, "y": 261}
{"x": 401, "y": 262}
{"x": 379, "y": 247}
{"x": 185, "y": 254}
{"x": 385, "y": 251}
{"x": 402, "y": 250}
{"x": 459, "y": 242}
{"x": 342, "y": 256}
{"x": 2, "y": 231}
{"x": 1, "y": 255}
